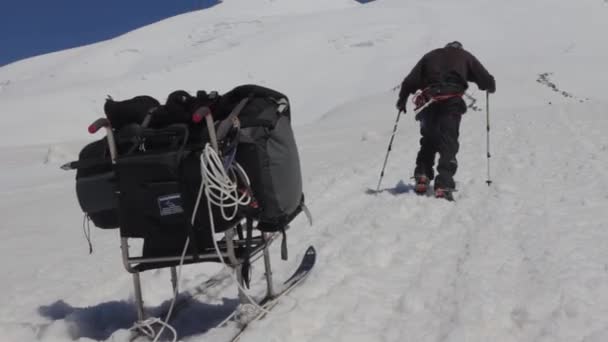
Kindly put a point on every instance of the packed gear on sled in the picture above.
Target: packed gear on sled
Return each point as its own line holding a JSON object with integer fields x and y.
{"x": 439, "y": 80}
{"x": 181, "y": 174}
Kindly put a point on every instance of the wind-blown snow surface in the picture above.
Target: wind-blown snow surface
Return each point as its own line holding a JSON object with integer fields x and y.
{"x": 522, "y": 260}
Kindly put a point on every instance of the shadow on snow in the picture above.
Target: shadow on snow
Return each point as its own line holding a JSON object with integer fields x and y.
{"x": 99, "y": 322}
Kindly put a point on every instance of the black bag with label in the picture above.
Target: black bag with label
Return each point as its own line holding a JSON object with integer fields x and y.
{"x": 96, "y": 185}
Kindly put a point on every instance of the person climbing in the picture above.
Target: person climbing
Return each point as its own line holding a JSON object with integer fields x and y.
{"x": 439, "y": 80}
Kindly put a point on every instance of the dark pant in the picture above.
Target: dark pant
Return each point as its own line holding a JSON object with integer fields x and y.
{"x": 439, "y": 132}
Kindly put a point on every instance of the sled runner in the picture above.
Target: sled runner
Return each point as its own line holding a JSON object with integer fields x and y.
{"x": 208, "y": 178}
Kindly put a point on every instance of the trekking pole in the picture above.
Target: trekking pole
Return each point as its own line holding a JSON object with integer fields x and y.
{"x": 390, "y": 146}
{"x": 488, "y": 134}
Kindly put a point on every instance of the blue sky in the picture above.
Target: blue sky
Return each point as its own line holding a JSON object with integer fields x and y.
{"x": 33, "y": 27}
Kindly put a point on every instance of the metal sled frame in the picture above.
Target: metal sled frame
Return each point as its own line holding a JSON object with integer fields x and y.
{"x": 260, "y": 244}
{"x": 228, "y": 246}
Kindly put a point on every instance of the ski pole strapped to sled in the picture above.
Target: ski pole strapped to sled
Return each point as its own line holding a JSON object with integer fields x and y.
{"x": 177, "y": 175}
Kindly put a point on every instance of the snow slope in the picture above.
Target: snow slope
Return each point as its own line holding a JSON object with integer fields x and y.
{"x": 522, "y": 260}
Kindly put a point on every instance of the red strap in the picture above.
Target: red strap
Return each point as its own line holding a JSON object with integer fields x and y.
{"x": 423, "y": 97}
{"x": 446, "y": 96}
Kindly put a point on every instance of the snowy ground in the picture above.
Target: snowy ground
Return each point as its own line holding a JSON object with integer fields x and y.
{"x": 522, "y": 260}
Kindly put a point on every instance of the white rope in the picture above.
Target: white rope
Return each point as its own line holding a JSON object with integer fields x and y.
{"x": 217, "y": 184}
{"x": 221, "y": 191}
{"x": 145, "y": 326}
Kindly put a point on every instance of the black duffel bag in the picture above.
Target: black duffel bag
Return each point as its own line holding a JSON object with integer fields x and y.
{"x": 96, "y": 185}
{"x": 268, "y": 153}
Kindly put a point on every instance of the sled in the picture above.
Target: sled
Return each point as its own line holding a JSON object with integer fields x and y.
{"x": 149, "y": 184}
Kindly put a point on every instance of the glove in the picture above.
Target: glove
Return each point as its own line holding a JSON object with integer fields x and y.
{"x": 401, "y": 104}
{"x": 492, "y": 88}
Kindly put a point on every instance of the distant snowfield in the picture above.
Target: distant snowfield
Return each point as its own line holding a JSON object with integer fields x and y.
{"x": 522, "y": 260}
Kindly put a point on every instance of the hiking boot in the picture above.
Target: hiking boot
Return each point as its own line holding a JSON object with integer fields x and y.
{"x": 444, "y": 193}
{"x": 422, "y": 184}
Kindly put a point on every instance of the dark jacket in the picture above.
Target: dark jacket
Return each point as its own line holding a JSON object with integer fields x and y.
{"x": 448, "y": 69}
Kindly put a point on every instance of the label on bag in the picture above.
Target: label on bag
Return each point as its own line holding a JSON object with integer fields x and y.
{"x": 170, "y": 204}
